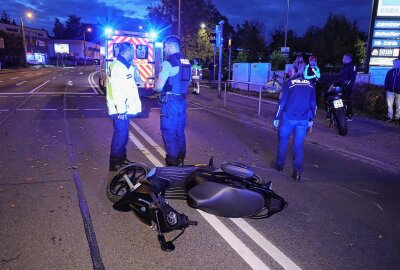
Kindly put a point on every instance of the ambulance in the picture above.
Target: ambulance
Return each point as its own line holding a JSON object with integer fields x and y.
{"x": 148, "y": 56}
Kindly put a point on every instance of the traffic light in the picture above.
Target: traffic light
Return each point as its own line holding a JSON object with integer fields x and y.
{"x": 213, "y": 37}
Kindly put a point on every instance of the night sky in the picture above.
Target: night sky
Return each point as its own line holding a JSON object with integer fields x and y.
{"x": 125, "y": 13}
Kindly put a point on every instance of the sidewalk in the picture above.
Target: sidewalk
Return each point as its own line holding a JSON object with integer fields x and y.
{"x": 369, "y": 140}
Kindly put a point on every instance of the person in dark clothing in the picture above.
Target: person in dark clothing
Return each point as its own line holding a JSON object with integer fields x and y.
{"x": 392, "y": 87}
{"x": 347, "y": 76}
{"x": 172, "y": 84}
{"x": 296, "y": 111}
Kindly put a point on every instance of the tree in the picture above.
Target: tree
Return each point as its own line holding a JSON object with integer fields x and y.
{"x": 249, "y": 38}
{"x": 278, "y": 60}
{"x": 5, "y": 18}
{"x": 73, "y": 27}
{"x": 193, "y": 13}
{"x": 58, "y": 29}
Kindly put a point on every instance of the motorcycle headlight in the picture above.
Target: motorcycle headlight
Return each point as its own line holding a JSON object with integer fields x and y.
{"x": 151, "y": 172}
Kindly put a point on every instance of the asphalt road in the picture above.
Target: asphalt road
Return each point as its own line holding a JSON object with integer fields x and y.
{"x": 54, "y": 147}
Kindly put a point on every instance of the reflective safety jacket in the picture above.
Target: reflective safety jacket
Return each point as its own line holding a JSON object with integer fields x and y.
{"x": 197, "y": 73}
{"x": 122, "y": 91}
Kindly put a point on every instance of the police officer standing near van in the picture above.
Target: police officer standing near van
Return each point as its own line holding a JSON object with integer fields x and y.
{"x": 172, "y": 85}
{"x": 123, "y": 102}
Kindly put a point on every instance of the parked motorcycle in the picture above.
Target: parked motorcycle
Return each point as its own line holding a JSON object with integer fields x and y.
{"x": 336, "y": 107}
{"x": 234, "y": 191}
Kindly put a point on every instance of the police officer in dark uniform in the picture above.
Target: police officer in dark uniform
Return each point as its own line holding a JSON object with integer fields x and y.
{"x": 295, "y": 114}
{"x": 172, "y": 84}
{"x": 347, "y": 76}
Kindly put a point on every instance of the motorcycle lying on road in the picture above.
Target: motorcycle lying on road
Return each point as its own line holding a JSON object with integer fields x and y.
{"x": 233, "y": 190}
{"x": 336, "y": 107}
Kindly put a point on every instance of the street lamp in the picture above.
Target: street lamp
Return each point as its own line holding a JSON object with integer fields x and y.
{"x": 84, "y": 42}
{"x": 179, "y": 19}
{"x": 29, "y": 15}
{"x": 287, "y": 21}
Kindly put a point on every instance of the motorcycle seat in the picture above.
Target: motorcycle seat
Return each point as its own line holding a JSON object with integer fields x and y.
{"x": 237, "y": 169}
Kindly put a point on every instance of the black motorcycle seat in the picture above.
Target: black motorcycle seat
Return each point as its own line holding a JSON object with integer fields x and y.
{"x": 237, "y": 169}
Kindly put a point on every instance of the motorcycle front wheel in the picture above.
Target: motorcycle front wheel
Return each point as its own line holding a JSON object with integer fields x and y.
{"x": 273, "y": 87}
{"x": 341, "y": 121}
{"x": 118, "y": 185}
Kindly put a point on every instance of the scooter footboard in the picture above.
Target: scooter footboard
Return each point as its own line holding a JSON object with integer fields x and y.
{"x": 225, "y": 200}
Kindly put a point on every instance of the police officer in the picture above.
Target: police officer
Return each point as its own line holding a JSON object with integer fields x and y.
{"x": 347, "y": 76}
{"x": 172, "y": 84}
{"x": 123, "y": 102}
{"x": 197, "y": 75}
{"x": 296, "y": 111}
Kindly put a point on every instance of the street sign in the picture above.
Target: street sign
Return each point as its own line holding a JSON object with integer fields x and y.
{"x": 285, "y": 49}
{"x": 2, "y": 43}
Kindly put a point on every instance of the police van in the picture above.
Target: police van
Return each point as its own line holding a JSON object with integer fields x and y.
{"x": 148, "y": 56}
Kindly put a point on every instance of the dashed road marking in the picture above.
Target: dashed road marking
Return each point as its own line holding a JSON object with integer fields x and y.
{"x": 18, "y": 84}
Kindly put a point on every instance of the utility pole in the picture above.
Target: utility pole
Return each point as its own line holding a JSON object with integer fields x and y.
{"x": 24, "y": 61}
{"x": 219, "y": 29}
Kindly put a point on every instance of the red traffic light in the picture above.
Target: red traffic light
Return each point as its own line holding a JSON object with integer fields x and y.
{"x": 213, "y": 37}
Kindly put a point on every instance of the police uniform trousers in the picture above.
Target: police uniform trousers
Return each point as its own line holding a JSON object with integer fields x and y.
{"x": 172, "y": 124}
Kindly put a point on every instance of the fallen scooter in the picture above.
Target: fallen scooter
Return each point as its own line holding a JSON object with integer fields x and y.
{"x": 234, "y": 191}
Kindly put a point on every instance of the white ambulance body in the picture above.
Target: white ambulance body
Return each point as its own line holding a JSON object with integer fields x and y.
{"x": 147, "y": 57}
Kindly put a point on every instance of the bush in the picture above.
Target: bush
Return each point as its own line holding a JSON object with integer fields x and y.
{"x": 370, "y": 99}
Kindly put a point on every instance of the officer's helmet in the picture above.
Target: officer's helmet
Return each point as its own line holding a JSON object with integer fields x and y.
{"x": 336, "y": 88}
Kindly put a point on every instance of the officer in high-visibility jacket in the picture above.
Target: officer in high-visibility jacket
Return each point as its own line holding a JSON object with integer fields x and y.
{"x": 197, "y": 75}
{"x": 172, "y": 85}
{"x": 123, "y": 102}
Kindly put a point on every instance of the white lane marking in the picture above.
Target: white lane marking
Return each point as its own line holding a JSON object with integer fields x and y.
{"x": 4, "y": 110}
{"x": 267, "y": 246}
{"x": 49, "y": 109}
{"x": 93, "y": 109}
{"x": 96, "y": 89}
{"x": 144, "y": 150}
{"x": 26, "y": 75}
{"x": 80, "y": 73}
{"x": 234, "y": 242}
{"x": 147, "y": 138}
{"x": 17, "y": 109}
{"x": 40, "y": 86}
{"x": 18, "y": 84}
{"x": 59, "y": 75}
{"x": 54, "y": 78}
{"x": 14, "y": 78}
{"x": 1, "y": 81}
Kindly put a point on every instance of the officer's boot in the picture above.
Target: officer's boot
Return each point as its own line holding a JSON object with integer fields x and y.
{"x": 170, "y": 161}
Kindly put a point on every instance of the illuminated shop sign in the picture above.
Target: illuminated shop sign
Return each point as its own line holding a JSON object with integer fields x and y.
{"x": 385, "y": 52}
{"x": 381, "y": 61}
{"x": 387, "y": 33}
{"x": 383, "y": 24}
{"x": 386, "y": 43}
{"x": 388, "y": 8}
{"x": 61, "y": 48}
